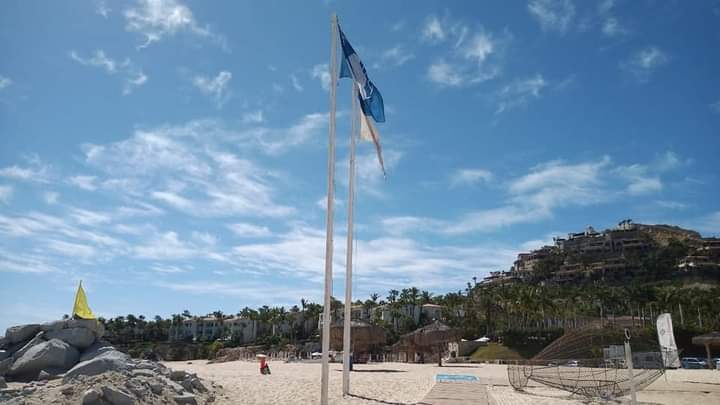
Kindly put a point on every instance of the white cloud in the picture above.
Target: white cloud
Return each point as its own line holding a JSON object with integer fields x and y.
{"x": 398, "y": 26}
{"x": 380, "y": 264}
{"x": 445, "y": 74}
{"x": 553, "y": 15}
{"x": 322, "y": 202}
{"x": 88, "y": 217}
{"x": 184, "y": 168}
{"x": 253, "y": 117}
{"x": 519, "y": 93}
{"x": 645, "y": 185}
{"x": 156, "y": 19}
{"x": 321, "y": 73}
{"x": 645, "y": 61}
{"x": 433, "y": 30}
{"x": 370, "y": 179}
{"x": 36, "y": 171}
{"x": 99, "y": 59}
{"x": 70, "y": 249}
{"x": 216, "y": 87}
{"x": 613, "y": 28}
{"x": 83, "y": 182}
{"x": 135, "y": 80}
{"x": 247, "y": 230}
{"x": 296, "y": 83}
{"x": 6, "y": 193}
{"x": 470, "y": 177}
{"x": 532, "y": 197}
{"x": 395, "y": 56}
{"x": 102, "y": 8}
{"x": 473, "y": 57}
{"x": 479, "y": 47}
{"x": 611, "y": 25}
{"x": 5, "y": 82}
{"x": 51, "y": 197}
{"x": 204, "y": 238}
{"x": 134, "y": 77}
{"x": 24, "y": 263}
{"x": 673, "y": 205}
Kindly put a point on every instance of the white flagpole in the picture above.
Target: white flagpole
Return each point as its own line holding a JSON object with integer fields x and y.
{"x": 348, "y": 273}
{"x": 327, "y": 317}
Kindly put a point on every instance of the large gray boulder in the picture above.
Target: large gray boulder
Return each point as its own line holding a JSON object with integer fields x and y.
{"x": 53, "y": 326}
{"x": 39, "y": 338}
{"x": 53, "y": 354}
{"x": 81, "y": 338}
{"x": 5, "y": 366}
{"x": 21, "y": 333}
{"x": 111, "y": 360}
{"x": 96, "y": 349}
{"x": 95, "y": 326}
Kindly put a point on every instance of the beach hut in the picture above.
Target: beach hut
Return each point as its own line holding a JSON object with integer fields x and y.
{"x": 432, "y": 338}
{"x": 708, "y": 340}
{"x": 364, "y": 338}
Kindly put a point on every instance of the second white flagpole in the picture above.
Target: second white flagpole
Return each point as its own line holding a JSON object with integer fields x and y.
{"x": 327, "y": 317}
{"x": 347, "y": 347}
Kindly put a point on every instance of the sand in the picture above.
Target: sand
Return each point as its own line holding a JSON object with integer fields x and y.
{"x": 401, "y": 383}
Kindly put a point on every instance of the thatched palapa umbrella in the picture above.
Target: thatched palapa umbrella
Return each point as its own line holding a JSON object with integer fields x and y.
{"x": 430, "y": 338}
{"x": 363, "y": 336}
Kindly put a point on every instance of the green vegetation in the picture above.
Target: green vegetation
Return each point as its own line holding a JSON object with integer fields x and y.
{"x": 498, "y": 351}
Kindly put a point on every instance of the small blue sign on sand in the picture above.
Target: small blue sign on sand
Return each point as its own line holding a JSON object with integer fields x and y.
{"x": 455, "y": 378}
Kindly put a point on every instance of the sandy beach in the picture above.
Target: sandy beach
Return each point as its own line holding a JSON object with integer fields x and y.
{"x": 401, "y": 383}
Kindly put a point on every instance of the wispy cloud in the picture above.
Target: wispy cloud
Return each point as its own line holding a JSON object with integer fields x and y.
{"x": 553, "y": 15}
{"x": 645, "y": 62}
{"x": 35, "y": 171}
{"x": 197, "y": 176}
{"x": 396, "y": 56}
{"x": 134, "y": 77}
{"x": 102, "y": 8}
{"x": 321, "y": 73}
{"x": 215, "y": 87}
{"x": 472, "y": 57}
{"x": 470, "y": 177}
{"x": 611, "y": 26}
{"x": 433, "y": 30}
{"x": 5, "y": 82}
{"x": 253, "y": 117}
{"x": 83, "y": 182}
{"x": 6, "y": 193}
{"x": 156, "y": 19}
{"x": 519, "y": 93}
{"x": 248, "y": 230}
{"x": 296, "y": 83}
{"x": 536, "y": 195}
{"x": 51, "y": 197}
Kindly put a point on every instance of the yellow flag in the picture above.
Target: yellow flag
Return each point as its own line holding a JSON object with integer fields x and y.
{"x": 81, "y": 308}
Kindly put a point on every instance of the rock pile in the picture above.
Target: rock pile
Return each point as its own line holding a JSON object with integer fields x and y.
{"x": 68, "y": 362}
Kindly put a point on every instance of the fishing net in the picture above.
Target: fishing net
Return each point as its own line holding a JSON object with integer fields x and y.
{"x": 591, "y": 363}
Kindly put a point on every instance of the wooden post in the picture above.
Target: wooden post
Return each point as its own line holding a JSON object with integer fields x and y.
{"x": 709, "y": 355}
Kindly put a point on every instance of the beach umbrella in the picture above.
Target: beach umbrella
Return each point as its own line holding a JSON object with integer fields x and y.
{"x": 432, "y": 337}
{"x": 363, "y": 336}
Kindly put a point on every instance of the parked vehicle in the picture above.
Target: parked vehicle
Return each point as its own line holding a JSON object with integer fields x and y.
{"x": 693, "y": 362}
{"x": 573, "y": 363}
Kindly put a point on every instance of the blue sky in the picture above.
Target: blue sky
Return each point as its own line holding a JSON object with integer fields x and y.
{"x": 172, "y": 154}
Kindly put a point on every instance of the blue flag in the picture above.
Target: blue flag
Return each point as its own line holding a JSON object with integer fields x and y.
{"x": 371, "y": 100}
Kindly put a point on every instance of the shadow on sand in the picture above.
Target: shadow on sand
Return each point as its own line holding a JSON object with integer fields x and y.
{"x": 382, "y": 401}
